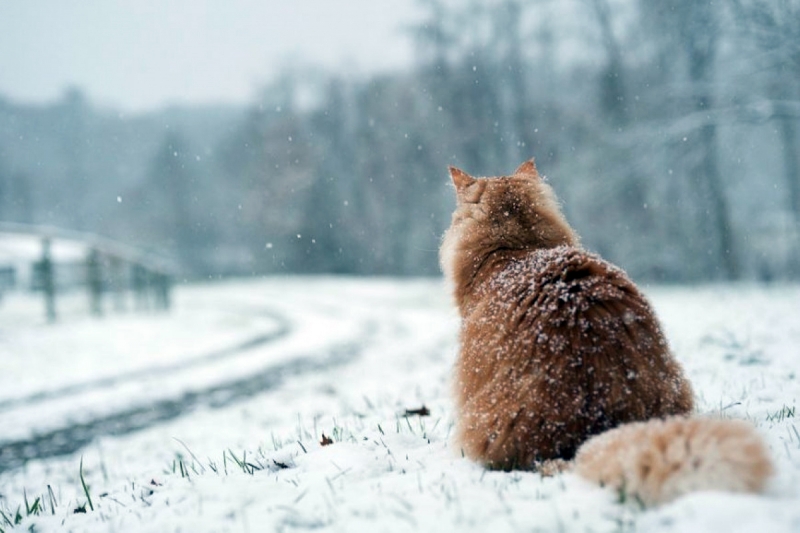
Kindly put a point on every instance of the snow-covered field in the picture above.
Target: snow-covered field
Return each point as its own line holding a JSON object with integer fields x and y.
{"x": 211, "y": 418}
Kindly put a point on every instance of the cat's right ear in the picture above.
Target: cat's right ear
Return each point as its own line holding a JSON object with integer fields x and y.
{"x": 461, "y": 179}
{"x": 528, "y": 168}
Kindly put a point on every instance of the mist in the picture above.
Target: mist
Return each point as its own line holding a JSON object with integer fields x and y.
{"x": 669, "y": 134}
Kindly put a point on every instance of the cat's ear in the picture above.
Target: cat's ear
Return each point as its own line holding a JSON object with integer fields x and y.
{"x": 528, "y": 168}
{"x": 461, "y": 179}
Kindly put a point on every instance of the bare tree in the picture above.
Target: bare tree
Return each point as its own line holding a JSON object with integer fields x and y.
{"x": 613, "y": 98}
{"x": 693, "y": 28}
{"x": 700, "y": 37}
{"x": 775, "y": 28}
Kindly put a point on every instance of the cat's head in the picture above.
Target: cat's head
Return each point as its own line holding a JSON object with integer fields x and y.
{"x": 516, "y": 212}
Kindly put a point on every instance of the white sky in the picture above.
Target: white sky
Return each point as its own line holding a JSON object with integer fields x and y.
{"x": 141, "y": 54}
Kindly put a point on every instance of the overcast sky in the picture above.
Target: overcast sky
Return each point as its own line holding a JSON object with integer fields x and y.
{"x": 141, "y": 54}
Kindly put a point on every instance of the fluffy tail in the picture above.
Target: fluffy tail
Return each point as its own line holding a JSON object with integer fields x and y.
{"x": 659, "y": 460}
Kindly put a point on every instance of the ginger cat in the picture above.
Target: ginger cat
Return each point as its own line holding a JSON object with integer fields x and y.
{"x": 557, "y": 345}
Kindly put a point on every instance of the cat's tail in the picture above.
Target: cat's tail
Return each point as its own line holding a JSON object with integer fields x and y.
{"x": 659, "y": 460}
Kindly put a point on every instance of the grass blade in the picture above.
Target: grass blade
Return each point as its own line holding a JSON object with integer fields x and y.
{"x": 85, "y": 487}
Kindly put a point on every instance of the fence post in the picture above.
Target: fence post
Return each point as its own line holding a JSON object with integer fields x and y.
{"x": 162, "y": 285}
{"x": 139, "y": 286}
{"x": 94, "y": 281}
{"x": 117, "y": 280}
{"x": 47, "y": 279}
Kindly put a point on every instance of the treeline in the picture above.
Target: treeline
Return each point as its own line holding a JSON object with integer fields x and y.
{"x": 669, "y": 130}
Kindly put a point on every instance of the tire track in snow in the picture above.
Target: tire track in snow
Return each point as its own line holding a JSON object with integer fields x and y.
{"x": 63, "y": 441}
{"x": 283, "y": 329}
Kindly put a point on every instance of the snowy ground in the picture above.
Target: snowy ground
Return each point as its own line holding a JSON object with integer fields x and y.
{"x": 211, "y": 418}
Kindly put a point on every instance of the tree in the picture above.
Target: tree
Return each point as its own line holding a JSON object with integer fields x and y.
{"x": 693, "y": 29}
{"x": 74, "y": 110}
{"x": 329, "y": 223}
{"x": 171, "y": 198}
{"x": 613, "y": 99}
{"x": 775, "y": 28}
{"x": 16, "y": 200}
{"x": 4, "y": 186}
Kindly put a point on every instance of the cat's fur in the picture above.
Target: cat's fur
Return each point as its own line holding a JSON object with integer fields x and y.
{"x": 557, "y": 345}
{"x": 659, "y": 460}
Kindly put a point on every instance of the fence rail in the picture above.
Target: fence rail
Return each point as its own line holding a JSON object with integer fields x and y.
{"x": 99, "y": 264}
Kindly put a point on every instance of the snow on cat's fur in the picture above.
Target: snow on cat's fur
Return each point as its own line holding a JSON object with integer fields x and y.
{"x": 557, "y": 345}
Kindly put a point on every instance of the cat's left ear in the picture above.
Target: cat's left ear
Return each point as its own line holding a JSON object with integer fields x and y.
{"x": 528, "y": 168}
{"x": 461, "y": 179}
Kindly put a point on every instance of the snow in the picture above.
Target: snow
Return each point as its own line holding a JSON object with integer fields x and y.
{"x": 24, "y": 248}
{"x": 372, "y": 349}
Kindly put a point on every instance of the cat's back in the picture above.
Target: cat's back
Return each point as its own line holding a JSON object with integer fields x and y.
{"x": 558, "y": 280}
{"x": 569, "y": 301}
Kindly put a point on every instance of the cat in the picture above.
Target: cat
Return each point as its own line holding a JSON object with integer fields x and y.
{"x": 556, "y": 344}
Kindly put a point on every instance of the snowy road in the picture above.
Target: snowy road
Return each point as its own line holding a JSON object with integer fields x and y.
{"x": 80, "y": 431}
{"x": 63, "y": 419}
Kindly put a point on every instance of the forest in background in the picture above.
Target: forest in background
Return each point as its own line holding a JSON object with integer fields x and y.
{"x": 668, "y": 129}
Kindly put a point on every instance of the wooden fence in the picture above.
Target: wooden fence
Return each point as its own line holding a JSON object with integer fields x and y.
{"x": 106, "y": 269}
